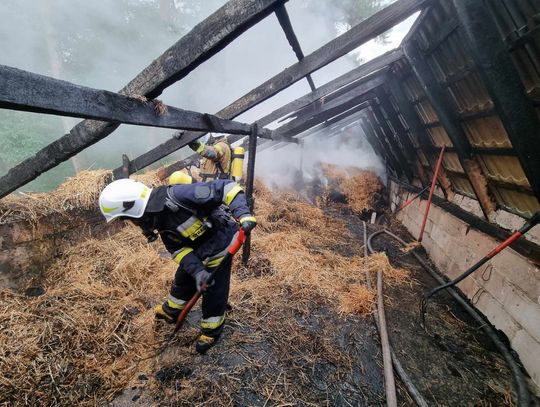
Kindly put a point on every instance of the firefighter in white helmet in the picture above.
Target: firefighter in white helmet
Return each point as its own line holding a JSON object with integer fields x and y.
{"x": 197, "y": 232}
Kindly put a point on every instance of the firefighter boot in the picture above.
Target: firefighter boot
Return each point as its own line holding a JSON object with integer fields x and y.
{"x": 169, "y": 311}
{"x": 211, "y": 329}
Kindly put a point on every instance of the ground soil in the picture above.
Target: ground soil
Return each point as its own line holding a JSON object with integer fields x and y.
{"x": 452, "y": 364}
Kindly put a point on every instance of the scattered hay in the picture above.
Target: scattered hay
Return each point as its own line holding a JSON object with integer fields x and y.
{"x": 410, "y": 247}
{"x": 93, "y": 331}
{"x": 79, "y": 192}
{"x": 83, "y": 339}
{"x": 360, "y": 188}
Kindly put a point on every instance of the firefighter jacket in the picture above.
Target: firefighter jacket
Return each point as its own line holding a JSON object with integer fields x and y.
{"x": 216, "y": 162}
{"x": 198, "y": 222}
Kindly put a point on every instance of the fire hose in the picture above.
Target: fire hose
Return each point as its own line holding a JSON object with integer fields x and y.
{"x": 516, "y": 235}
{"x": 523, "y": 396}
{"x": 381, "y": 327}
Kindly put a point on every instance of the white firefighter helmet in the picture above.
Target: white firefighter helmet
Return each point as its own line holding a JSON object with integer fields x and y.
{"x": 124, "y": 197}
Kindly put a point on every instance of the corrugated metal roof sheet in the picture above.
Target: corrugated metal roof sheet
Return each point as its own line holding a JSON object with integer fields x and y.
{"x": 439, "y": 137}
{"x": 519, "y": 203}
{"x": 451, "y": 162}
{"x": 486, "y": 132}
{"x": 504, "y": 168}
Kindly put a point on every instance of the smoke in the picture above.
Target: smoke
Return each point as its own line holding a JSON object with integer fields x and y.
{"x": 105, "y": 44}
{"x": 283, "y": 167}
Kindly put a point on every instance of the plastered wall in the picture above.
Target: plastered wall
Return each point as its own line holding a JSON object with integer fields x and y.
{"x": 506, "y": 289}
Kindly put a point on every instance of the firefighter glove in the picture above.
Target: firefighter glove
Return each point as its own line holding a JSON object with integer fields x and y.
{"x": 194, "y": 145}
{"x": 248, "y": 223}
{"x": 202, "y": 280}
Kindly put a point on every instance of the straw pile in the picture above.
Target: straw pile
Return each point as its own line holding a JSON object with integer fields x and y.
{"x": 92, "y": 333}
{"x": 361, "y": 188}
{"x": 80, "y": 192}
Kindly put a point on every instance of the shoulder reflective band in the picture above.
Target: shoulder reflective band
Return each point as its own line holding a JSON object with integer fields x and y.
{"x": 201, "y": 148}
{"x": 230, "y": 191}
{"x": 249, "y": 218}
{"x": 180, "y": 254}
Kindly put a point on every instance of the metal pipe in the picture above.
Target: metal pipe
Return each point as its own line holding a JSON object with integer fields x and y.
{"x": 410, "y": 201}
{"x": 433, "y": 183}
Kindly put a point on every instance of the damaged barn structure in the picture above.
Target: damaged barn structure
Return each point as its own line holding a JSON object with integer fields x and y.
{"x": 467, "y": 77}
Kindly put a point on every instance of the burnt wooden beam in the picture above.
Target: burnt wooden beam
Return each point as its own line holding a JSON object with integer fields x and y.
{"x": 301, "y": 124}
{"x": 341, "y": 96}
{"x": 499, "y": 74}
{"x": 417, "y": 128}
{"x": 356, "y": 77}
{"x": 373, "y": 125}
{"x": 388, "y": 134}
{"x": 372, "y": 140}
{"x": 350, "y": 115}
{"x": 285, "y": 22}
{"x": 26, "y": 91}
{"x": 445, "y": 110}
{"x": 356, "y": 36}
{"x": 401, "y": 134}
{"x": 205, "y": 40}
{"x": 250, "y": 179}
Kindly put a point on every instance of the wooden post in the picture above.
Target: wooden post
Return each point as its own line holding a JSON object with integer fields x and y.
{"x": 250, "y": 178}
{"x": 504, "y": 85}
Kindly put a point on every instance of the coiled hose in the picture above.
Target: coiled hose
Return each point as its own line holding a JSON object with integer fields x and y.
{"x": 522, "y": 391}
{"x": 381, "y": 327}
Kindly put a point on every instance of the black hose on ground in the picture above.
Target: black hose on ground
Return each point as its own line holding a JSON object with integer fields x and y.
{"x": 522, "y": 391}
{"x": 411, "y": 388}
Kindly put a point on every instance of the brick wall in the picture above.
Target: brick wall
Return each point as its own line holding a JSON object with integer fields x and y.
{"x": 506, "y": 289}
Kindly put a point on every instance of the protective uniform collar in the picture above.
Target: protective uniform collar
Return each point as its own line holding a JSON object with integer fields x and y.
{"x": 156, "y": 203}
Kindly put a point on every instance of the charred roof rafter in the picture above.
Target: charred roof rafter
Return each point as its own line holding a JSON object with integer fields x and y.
{"x": 205, "y": 40}
{"x": 361, "y": 33}
{"x": 285, "y": 22}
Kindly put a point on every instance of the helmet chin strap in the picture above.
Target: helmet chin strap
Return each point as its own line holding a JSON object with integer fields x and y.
{"x": 147, "y": 223}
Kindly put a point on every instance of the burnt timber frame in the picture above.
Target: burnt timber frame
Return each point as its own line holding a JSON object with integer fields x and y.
{"x": 285, "y": 23}
{"x": 504, "y": 85}
{"x": 22, "y": 90}
{"x": 417, "y": 128}
{"x": 443, "y": 107}
{"x": 356, "y": 36}
{"x": 204, "y": 41}
{"x": 388, "y": 135}
{"x": 357, "y": 75}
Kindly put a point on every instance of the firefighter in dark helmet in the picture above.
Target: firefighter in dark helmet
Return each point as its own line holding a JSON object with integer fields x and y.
{"x": 197, "y": 230}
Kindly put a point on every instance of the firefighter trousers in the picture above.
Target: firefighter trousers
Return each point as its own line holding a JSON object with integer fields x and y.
{"x": 214, "y": 298}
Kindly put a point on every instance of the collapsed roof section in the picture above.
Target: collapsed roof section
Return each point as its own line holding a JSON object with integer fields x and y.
{"x": 466, "y": 76}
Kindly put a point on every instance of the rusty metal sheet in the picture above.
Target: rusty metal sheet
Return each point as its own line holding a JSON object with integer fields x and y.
{"x": 486, "y": 132}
